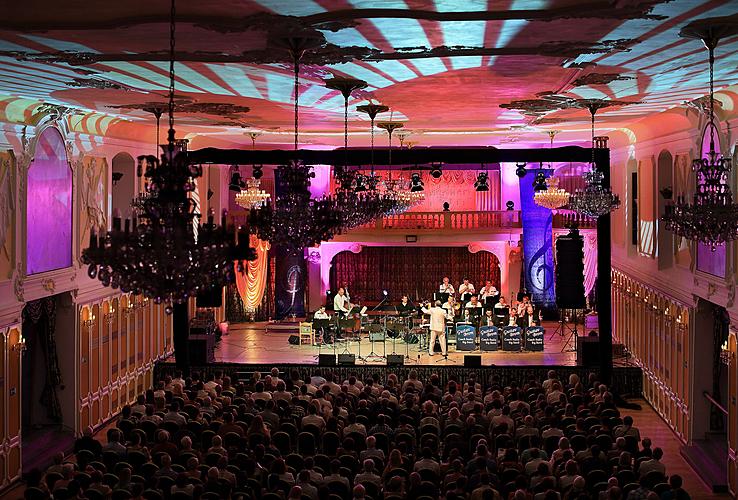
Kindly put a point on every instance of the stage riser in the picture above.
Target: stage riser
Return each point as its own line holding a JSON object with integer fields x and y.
{"x": 626, "y": 380}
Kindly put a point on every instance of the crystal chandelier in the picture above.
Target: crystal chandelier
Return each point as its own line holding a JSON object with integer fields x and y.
{"x": 294, "y": 220}
{"x": 156, "y": 253}
{"x": 253, "y": 197}
{"x": 595, "y": 199}
{"x": 712, "y": 217}
{"x": 553, "y": 196}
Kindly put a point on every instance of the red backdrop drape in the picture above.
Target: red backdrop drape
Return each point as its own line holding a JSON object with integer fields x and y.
{"x": 416, "y": 271}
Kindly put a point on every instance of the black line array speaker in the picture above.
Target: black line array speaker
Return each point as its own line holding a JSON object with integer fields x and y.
{"x": 346, "y": 359}
{"x": 570, "y": 271}
{"x": 395, "y": 360}
{"x": 472, "y": 361}
{"x": 327, "y": 360}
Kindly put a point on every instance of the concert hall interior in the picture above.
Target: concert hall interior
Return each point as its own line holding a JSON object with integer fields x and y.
{"x": 416, "y": 195}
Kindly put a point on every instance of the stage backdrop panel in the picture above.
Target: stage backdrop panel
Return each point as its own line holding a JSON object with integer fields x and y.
{"x": 416, "y": 271}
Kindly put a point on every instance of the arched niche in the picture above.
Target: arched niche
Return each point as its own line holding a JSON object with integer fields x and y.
{"x": 124, "y": 182}
{"x": 49, "y": 206}
{"x": 665, "y": 179}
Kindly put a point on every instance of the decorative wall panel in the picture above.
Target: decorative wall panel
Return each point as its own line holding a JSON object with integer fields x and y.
{"x": 10, "y": 404}
{"x": 655, "y": 330}
{"x": 118, "y": 351}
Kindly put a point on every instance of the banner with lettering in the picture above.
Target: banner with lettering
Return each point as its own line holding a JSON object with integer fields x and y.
{"x": 511, "y": 338}
{"x": 489, "y": 338}
{"x": 465, "y": 337}
{"x": 534, "y": 338}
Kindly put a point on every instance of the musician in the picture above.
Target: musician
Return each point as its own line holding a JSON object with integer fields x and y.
{"x": 528, "y": 317}
{"x": 446, "y": 286}
{"x": 321, "y": 314}
{"x": 466, "y": 287}
{"x": 438, "y": 318}
{"x": 501, "y": 311}
{"x": 341, "y": 304}
{"x": 450, "y": 307}
{"x": 405, "y": 307}
{"x": 488, "y": 291}
{"x": 473, "y": 309}
{"x": 489, "y": 319}
{"x": 522, "y": 306}
{"x": 513, "y": 321}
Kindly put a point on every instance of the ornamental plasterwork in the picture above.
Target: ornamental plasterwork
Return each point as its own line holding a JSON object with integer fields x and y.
{"x": 18, "y": 281}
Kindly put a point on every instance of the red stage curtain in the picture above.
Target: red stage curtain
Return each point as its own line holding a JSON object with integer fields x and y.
{"x": 416, "y": 271}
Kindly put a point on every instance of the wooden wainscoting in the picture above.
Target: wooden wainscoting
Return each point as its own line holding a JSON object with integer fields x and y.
{"x": 655, "y": 329}
{"x": 121, "y": 338}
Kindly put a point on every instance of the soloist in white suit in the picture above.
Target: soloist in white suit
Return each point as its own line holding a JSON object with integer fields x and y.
{"x": 437, "y": 328}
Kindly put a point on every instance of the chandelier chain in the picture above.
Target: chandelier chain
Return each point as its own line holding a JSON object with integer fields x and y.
{"x": 172, "y": 33}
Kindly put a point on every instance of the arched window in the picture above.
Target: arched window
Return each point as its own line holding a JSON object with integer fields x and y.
{"x": 49, "y": 206}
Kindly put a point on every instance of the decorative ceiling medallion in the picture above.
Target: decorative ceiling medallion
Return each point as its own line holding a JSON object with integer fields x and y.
{"x": 97, "y": 83}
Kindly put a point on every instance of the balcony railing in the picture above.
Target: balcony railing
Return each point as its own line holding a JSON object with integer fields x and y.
{"x": 446, "y": 221}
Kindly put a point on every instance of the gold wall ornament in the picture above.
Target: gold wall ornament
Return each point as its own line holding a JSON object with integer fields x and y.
{"x": 49, "y": 285}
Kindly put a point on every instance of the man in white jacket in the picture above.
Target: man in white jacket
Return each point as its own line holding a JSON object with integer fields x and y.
{"x": 438, "y": 317}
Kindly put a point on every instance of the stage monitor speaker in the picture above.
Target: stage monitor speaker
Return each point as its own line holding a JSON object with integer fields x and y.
{"x": 210, "y": 298}
{"x": 589, "y": 351}
{"x": 327, "y": 360}
{"x": 346, "y": 359}
{"x": 570, "y": 271}
{"x": 294, "y": 340}
{"x": 472, "y": 361}
{"x": 395, "y": 360}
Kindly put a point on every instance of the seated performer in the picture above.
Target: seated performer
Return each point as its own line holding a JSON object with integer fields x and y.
{"x": 473, "y": 310}
{"x": 405, "y": 307}
{"x": 513, "y": 321}
{"x": 466, "y": 290}
{"x": 450, "y": 308}
{"x": 321, "y": 314}
{"x": 528, "y": 317}
{"x": 438, "y": 318}
{"x": 501, "y": 312}
{"x": 446, "y": 286}
{"x": 489, "y": 319}
{"x": 341, "y": 304}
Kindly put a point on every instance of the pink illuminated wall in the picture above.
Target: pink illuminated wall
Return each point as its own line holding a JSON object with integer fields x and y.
{"x": 49, "y": 206}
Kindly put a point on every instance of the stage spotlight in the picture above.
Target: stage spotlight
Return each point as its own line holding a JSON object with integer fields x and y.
{"x": 446, "y": 206}
{"x": 436, "y": 172}
{"x": 510, "y": 205}
{"x": 116, "y": 177}
{"x": 416, "y": 183}
{"x": 539, "y": 184}
{"x": 482, "y": 182}
{"x": 520, "y": 169}
{"x": 236, "y": 182}
{"x": 385, "y": 292}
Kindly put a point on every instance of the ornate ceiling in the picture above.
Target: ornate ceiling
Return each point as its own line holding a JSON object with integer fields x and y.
{"x": 457, "y": 71}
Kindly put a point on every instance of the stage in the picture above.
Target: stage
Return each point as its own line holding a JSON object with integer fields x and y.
{"x": 259, "y": 343}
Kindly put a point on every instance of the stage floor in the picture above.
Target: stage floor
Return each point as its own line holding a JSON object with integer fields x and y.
{"x": 251, "y": 343}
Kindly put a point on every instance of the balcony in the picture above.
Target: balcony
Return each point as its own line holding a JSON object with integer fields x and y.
{"x": 460, "y": 224}
{"x": 485, "y": 221}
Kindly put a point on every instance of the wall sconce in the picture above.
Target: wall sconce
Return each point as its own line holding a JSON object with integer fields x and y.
{"x": 129, "y": 309}
{"x": 20, "y": 345}
{"x": 725, "y": 354}
{"x": 89, "y": 323}
{"x": 109, "y": 317}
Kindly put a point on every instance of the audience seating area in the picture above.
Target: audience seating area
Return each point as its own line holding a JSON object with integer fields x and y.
{"x": 279, "y": 437}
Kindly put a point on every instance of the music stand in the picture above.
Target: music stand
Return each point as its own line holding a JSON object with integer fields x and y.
{"x": 465, "y": 297}
{"x": 442, "y": 296}
{"x": 491, "y": 301}
{"x": 373, "y": 329}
